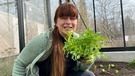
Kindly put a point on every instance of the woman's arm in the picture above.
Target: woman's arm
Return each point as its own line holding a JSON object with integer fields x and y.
{"x": 28, "y": 54}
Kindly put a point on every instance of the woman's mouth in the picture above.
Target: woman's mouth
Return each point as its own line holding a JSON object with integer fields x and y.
{"x": 68, "y": 28}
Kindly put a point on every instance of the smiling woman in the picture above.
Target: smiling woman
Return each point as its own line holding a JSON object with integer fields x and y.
{"x": 44, "y": 55}
{"x": 65, "y": 24}
{"x": 66, "y": 19}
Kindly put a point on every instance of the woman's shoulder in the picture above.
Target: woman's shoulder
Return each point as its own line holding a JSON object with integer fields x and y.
{"x": 43, "y": 36}
{"x": 41, "y": 39}
{"x": 48, "y": 33}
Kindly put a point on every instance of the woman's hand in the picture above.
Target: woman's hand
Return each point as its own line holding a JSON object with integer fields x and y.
{"x": 86, "y": 61}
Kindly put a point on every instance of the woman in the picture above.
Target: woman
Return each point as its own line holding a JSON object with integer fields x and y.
{"x": 43, "y": 55}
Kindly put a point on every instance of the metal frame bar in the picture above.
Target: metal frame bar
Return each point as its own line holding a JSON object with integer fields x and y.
{"x": 20, "y": 24}
{"x": 122, "y": 19}
{"x": 49, "y": 13}
{"x": 60, "y": 1}
{"x": 68, "y": 0}
{"x": 117, "y": 49}
{"x": 94, "y": 15}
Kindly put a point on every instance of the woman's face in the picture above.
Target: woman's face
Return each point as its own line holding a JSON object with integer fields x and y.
{"x": 65, "y": 24}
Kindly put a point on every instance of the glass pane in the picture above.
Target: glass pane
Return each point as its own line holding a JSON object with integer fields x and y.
{"x": 85, "y": 8}
{"x": 53, "y": 4}
{"x": 35, "y": 18}
{"x": 108, "y": 21}
{"x": 64, "y": 1}
{"x": 129, "y": 21}
{"x": 9, "y": 40}
{"x": 3, "y": 1}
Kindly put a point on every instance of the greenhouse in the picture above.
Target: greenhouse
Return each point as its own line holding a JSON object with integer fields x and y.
{"x": 22, "y": 20}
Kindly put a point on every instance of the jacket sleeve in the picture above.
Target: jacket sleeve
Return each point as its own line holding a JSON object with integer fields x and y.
{"x": 28, "y": 54}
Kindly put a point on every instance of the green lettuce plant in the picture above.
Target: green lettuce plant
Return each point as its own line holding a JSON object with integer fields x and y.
{"x": 87, "y": 45}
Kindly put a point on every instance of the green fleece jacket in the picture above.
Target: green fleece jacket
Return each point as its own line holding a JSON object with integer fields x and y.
{"x": 38, "y": 49}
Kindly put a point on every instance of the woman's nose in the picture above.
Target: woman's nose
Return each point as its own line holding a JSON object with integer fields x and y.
{"x": 68, "y": 21}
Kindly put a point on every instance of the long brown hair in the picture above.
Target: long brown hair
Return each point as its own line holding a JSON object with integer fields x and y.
{"x": 58, "y": 59}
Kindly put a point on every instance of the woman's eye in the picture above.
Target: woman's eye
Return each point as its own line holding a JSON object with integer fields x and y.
{"x": 64, "y": 17}
{"x": 72, "y": 18}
